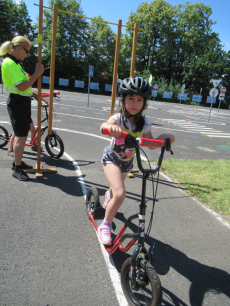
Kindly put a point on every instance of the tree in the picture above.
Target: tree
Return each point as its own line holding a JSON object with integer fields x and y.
{"x": 182, "y": 48}
{"x": 7, "y": 14}
{"x": 71, "y": 42}
{"x": 101, "y": 50}
{"x": 155, "y": 49}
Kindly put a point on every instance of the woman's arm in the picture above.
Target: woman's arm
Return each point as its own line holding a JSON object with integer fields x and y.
{"x": 27, "y": 84}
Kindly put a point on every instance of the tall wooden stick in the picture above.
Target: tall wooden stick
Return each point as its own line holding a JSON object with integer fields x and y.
{"x": 115, "y": 68}
{"x": 134, "y": 49}
{"x": 52, "y": 67}
{"x": 39, "y": 82}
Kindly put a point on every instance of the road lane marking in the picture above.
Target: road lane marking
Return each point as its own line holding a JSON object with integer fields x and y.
{"x": 114, "y": 275}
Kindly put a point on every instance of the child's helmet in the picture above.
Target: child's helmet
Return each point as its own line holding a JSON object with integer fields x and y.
{"x": 136, "y": 86}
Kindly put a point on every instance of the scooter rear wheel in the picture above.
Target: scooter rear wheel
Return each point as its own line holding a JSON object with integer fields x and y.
{"x": 92, "y": 200}
{"x": 147, "y": 288}
{"x": 3, "y": 135}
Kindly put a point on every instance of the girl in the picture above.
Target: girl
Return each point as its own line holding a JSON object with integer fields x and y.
{"x": 117, "y": 159}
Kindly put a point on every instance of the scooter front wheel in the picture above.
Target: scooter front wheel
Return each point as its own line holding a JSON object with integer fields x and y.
{"x": 144, "y": 288}
{"x": 54, "y": 145}
{"x": 92, "y": 200}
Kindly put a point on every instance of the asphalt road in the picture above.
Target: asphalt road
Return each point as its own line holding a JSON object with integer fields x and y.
{"x": 49, "y": 251}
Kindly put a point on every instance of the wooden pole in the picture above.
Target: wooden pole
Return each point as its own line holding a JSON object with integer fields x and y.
{"x": 115, "y": 68}
{"x": 52, "y": 67}
{"x": 130, "y": 175}
{"x": 134, "y": 49}
{"x": 38, "y": 168}
{"x": 40, "y": 21}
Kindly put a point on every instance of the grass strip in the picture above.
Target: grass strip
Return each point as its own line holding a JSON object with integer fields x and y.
{"x": 206, "y": 180}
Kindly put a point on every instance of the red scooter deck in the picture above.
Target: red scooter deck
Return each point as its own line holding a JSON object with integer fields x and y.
{"x": 97, "y": 217}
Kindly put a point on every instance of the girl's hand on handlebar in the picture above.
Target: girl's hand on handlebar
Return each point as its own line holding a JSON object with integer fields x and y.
{"x": 114, "y": 130}
{"x": 169, "y": 136}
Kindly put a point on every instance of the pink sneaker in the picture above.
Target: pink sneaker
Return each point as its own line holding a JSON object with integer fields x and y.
{"x": 104, "y": 232}
{"x": 107, "y": 199}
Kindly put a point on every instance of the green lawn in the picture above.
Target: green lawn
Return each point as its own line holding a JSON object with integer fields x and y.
{"x": 206, "y": 180}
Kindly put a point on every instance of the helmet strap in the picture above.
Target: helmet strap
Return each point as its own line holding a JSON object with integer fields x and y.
{"x": 125, "y": 117}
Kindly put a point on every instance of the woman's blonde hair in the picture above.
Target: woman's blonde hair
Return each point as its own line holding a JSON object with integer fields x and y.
{"x": 8, "y": 46}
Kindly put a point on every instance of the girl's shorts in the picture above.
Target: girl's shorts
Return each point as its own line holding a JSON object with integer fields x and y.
{"x": 109, "y": 157}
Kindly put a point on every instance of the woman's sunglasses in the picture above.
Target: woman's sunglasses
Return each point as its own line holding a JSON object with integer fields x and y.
{"x": 27, "y": 51}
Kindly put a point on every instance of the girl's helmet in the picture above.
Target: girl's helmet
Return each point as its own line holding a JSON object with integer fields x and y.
{"x": 136, "y": 86}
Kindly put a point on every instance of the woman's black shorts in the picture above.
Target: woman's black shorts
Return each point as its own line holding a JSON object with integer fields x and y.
{"x": 19, "y": 109}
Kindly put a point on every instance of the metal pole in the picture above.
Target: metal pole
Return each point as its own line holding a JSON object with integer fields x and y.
{"x": 200, "y": 95}
{"x": 211, "y": 104}
{"x": 88, "y": 92}
{"x": 219, "y": 107}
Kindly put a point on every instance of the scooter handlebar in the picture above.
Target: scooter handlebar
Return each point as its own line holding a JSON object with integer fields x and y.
{"x": 144, "y": 142}
{"x": 105, "y": 131}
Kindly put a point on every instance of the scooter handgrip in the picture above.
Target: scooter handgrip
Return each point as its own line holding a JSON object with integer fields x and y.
{"x": 105, "y": 131}
{"x": 144, "y": 142}
{"x": 45, "y": 95}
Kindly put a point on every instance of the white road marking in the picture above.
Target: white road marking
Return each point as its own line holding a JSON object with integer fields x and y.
{"x": 79, "y": 116}
{"x": 114, "y": 275}
{"x": 193, "y": 126}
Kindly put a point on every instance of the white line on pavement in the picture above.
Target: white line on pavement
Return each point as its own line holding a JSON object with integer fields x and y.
{"x": 114, "y": 275}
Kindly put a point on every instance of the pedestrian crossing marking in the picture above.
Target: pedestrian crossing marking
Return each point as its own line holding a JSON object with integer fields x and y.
{"x": 198, "y": 128}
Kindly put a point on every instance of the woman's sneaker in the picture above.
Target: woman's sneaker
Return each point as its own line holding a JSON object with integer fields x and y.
{"x": 23, "y": 166}
{"x": 104, "y": 232}
{"x": 10, "y": 152}
{"x": 107, "y": 199}
{"x": 20, "y": 175}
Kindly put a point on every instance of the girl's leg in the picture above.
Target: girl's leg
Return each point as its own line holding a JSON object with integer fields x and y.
{"x": 117, "y": 190}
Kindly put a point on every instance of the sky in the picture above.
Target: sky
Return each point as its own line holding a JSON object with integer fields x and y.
{"x": 113, "y": 10}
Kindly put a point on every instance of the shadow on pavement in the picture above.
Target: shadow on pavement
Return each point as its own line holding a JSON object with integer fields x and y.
{"x": 203, "y": 278}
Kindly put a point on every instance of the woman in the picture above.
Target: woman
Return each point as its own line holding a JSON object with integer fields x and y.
{"x": 18, "y": 84}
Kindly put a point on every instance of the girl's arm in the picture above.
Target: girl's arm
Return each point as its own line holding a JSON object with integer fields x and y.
{"x": 114, "y": 129}
{"x": 161, "y": 137}
{"x": 35, "y": 94}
